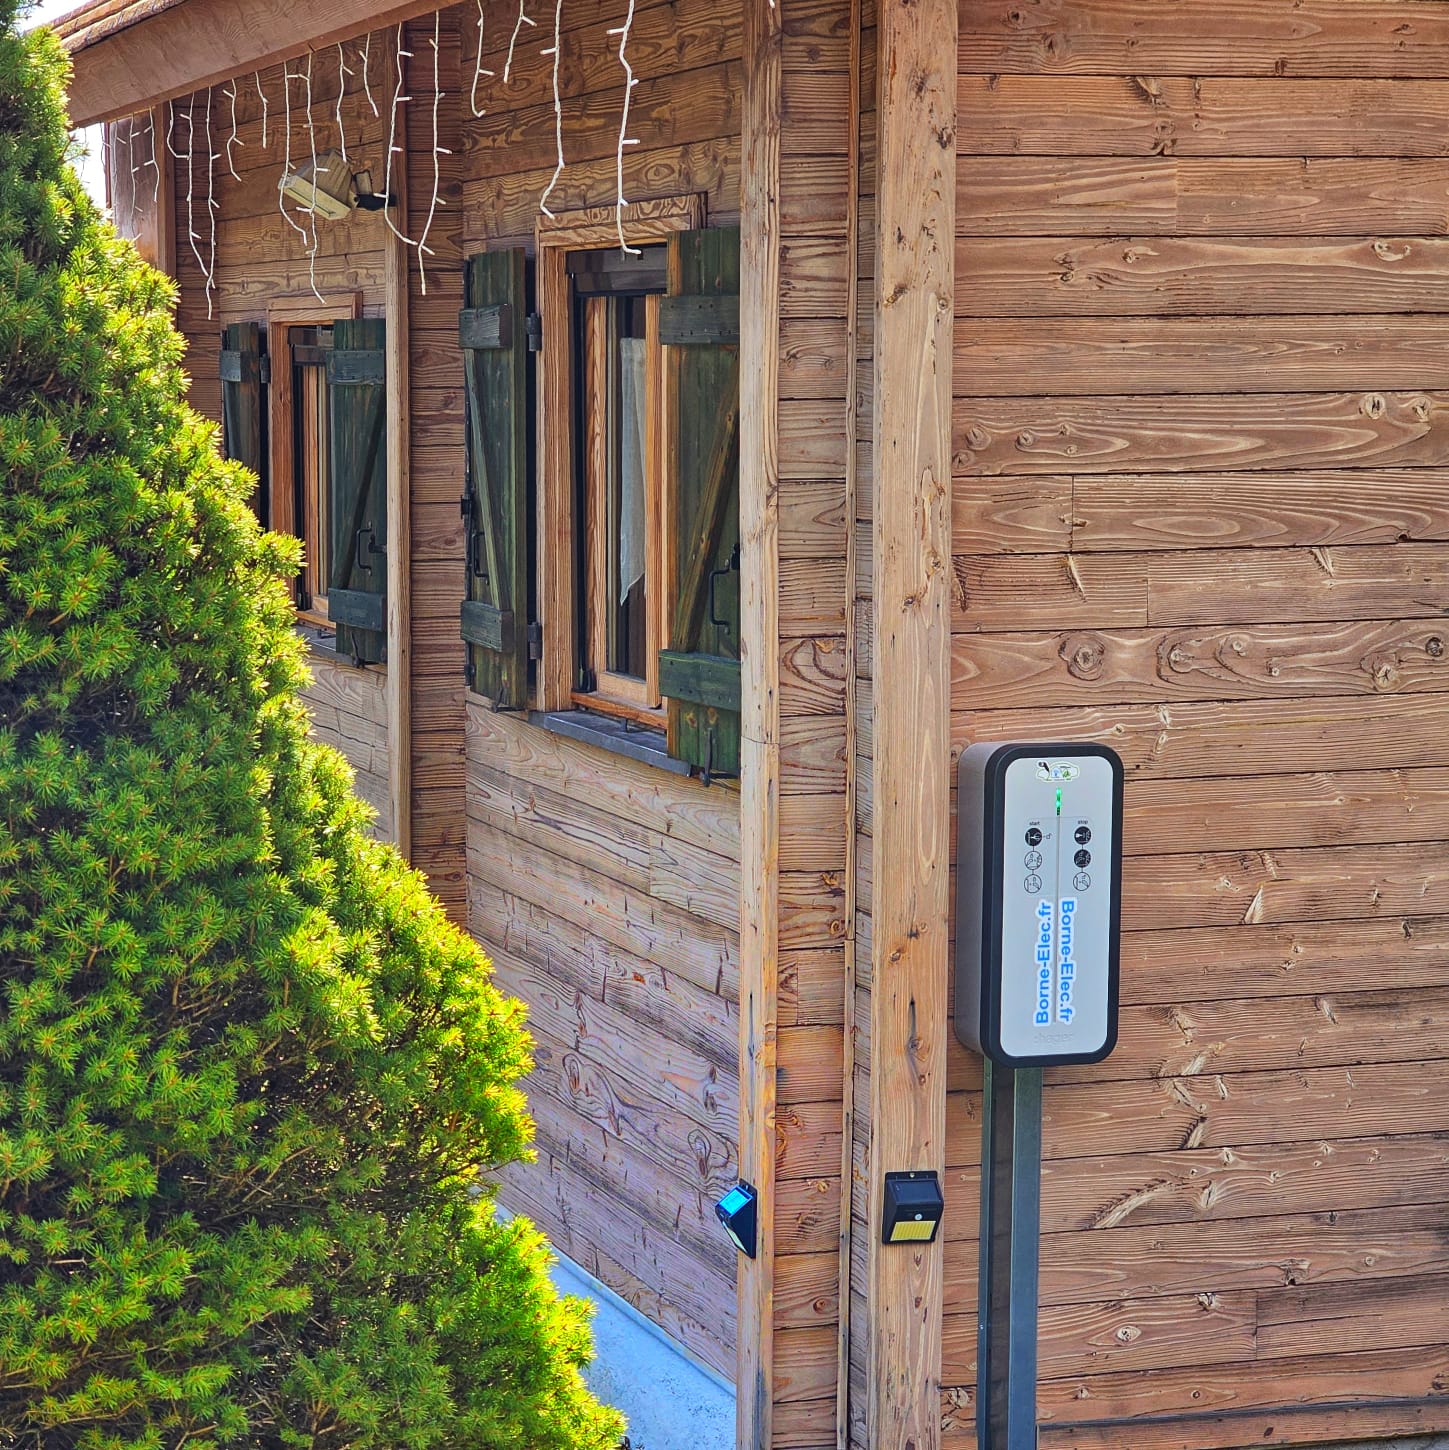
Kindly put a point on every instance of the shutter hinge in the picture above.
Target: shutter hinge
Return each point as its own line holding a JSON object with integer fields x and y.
{"x": 465, "y": 504}
{"x": 264, "y": 367}
{"x": 469, "y": 673}
{"x": 535, "y": 640}
{"x": 534, "y": 328}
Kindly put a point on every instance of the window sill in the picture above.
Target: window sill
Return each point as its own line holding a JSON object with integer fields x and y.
{"x": 323, "y": 642}
{"x": 615, "y": 735}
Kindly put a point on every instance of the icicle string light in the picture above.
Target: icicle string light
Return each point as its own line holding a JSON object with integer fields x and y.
{"x": 523, "y": 19}
{"x": 366, "y": 62}
{"x": 155, "y": 166}
{"x": 211, "y": 207}
{"x": 342, "y": 74}
{"x": 392, "y": 147}
{"x": 287, "y": 154}
{"x": 131, "y": 157}
{"x": 423, "y": 249}
{"x": 191, "y": 182}
{"x": 554, "y": 50}
{"x": 625, "y": 139}
{"x": 312, "y": 245}
{"x": 171, "y": 130}
{"x": 478, "y": 71}
{"x": 257, "y": 77}
{"x": 233, "y": 139}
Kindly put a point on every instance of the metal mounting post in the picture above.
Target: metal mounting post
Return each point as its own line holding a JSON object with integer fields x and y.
{"x": 1009, "y": 1241}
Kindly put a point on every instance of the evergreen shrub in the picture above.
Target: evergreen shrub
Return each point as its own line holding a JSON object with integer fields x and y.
{"x": 249, "y": 1074}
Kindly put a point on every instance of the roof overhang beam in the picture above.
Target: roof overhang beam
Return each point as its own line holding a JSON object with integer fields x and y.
{"x": 173, "y": 50}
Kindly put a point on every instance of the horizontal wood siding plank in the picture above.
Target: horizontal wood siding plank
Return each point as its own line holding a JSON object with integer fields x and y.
{"x": 1200, "y": 115}
{"x": 1326, "y": 508}
{"x": 1177, "y": 276}
{"x": 1380, "y": 38}
{"x": 1197, "y": 433}
{"x": 1090, "y": 356}
{"x": 999, "y": 671}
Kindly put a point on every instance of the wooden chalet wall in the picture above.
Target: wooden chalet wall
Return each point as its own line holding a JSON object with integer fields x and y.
{"x": 261, "y": 261}
{"x": 606, "y": 891}
{"x": 1201, "y": 503}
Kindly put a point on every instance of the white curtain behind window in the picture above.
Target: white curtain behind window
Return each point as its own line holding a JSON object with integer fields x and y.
{"x": 633, "y": 397}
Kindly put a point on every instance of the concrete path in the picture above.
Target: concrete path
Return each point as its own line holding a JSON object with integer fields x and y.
{"x": 672, "y": 1401}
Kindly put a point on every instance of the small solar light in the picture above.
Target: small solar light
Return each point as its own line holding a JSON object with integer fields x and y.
{"x": 914, "y": 1204}
{"x": 738, "y": 1212}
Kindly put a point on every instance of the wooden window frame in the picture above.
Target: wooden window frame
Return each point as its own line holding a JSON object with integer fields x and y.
{"x": 284, "y": 314}
{"x": 593, "y": 229}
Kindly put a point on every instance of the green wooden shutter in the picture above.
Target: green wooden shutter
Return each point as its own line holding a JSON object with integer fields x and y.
{"x": 699, "y": 673}
{"x": 493, "y": 333}
{"x": 243, "y": 416}
{"x": 357, "y": 505}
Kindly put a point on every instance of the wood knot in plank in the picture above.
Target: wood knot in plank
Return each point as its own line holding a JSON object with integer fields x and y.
{"x": 1085, "y": 656}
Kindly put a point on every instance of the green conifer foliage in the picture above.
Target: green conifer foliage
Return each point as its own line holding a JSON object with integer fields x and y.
{"x": 249, "y": 1074}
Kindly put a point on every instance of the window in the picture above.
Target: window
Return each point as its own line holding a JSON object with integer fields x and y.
{"x": 602, "y": 496}
{"x": 619, "y": 426}
{"x": 310, "y": 348}
{"x": 319, "y": 443}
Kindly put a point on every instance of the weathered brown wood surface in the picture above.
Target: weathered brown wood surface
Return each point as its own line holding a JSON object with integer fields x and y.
{"x": 607, "y": 894}
{"x": 1200, "y": 514}
{"x": 261, "y": 264}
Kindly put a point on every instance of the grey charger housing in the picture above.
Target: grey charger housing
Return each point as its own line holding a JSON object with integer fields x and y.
{"x": 1038, "y": 908}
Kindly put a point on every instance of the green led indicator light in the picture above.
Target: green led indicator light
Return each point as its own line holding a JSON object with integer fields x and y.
{"x": 1059, "y": 800}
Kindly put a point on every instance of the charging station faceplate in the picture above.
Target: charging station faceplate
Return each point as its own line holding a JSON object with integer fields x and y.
{"x": 1039, "y": 886}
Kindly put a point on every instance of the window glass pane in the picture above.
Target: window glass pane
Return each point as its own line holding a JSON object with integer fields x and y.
{"x": 628, "y": 491}
{"x": 311, "y": 438}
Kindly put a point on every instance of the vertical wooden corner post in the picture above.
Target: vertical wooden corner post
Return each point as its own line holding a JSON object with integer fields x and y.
{"x": 760, "y": 703}
{"x": 399, "y": 505}
{"x": 912, "y": 441}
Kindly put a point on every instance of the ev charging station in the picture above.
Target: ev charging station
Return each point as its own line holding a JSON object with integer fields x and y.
{"x": 1038, "y": 920}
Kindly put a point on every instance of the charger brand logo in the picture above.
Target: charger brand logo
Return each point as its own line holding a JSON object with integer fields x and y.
{"x": 1067, "y": 978}
{"x": 1044, "y": 914}
{"x": 1046, "y": 770}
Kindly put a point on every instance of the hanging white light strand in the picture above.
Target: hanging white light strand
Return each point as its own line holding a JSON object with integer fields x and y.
{"x": 392, "y": 147}
{"x": 191, "y": 183}
{"x": 625, "y": 139}
{"x": 366, "y": 62}
{"x": 257, "y": 77}
{"x": 342, "y": 74}
{"x": 518, "y": 25}
{"x": 312, "y": 210}
{"x": 287, "y": 154}
{"x": 131, "y": 157}
{"x": 211, "y": 207}
{"x": 155, "y": 166}
{"x": 554, "y": 51}
{"x": 234, "y": 139}
{"x": 478, "y": 71}
{"x": 424, "y": 250}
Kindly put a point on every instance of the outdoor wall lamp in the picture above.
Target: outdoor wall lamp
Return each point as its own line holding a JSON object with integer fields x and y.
{"x": 914, "y": 1204}
{"x": 738, "y": 1211}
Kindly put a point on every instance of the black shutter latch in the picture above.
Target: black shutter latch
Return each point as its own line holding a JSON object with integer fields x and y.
{"x": 535, "y": 640}
{"x": 534, "y": 328}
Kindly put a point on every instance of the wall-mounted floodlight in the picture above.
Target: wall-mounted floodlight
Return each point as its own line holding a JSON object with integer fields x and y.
{"x": 913, "y": 1208}
{"x": 323, "y": 186}
{"x": 331, "y": 188}
{"x": 738, "y": 1211}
